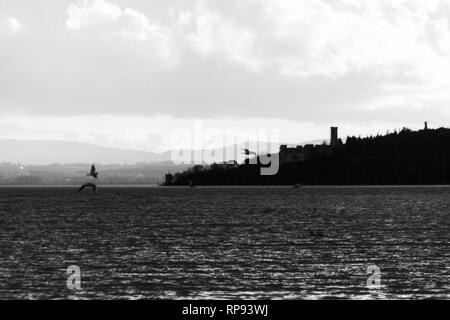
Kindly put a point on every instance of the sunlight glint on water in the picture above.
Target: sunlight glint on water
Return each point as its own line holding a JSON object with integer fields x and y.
{"x": 201, "y": 243}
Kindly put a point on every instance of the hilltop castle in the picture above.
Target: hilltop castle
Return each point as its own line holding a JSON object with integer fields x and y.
{"x": 308, "y": 151}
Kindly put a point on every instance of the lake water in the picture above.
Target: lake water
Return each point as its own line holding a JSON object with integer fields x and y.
{"x": 133, "y": 243}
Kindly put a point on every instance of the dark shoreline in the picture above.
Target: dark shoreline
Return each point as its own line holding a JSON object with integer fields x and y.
{"x": 236, "y": 186}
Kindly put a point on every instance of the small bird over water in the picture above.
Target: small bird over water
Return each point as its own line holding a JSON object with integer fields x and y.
{"x": 93, "y": 172}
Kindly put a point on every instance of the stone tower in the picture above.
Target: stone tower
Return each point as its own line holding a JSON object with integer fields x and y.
{"x": 334, "y": 137}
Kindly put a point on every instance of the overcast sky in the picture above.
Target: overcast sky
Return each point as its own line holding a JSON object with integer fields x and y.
{"x": 126, "y": 73}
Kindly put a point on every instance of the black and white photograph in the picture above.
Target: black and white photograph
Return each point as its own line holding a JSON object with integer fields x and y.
{"x": 195, "y": 151}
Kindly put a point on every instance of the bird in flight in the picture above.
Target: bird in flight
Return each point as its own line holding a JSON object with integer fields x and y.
{"x": 248, "y": 152}
{"x": 88, "y": 185}
{"x": 93, "y": 172}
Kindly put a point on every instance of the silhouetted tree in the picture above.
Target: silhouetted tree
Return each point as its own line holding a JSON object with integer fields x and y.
{"x": 405, "y": 157}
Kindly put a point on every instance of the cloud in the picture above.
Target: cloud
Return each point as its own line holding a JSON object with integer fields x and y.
{"x": 91, "y": 13}
{"x": 319, "y": 61}
{"x": 395, "y": 51}
{"x": 107, "y": 21}
{"x": 293, "y": 38}
{"x": 9, "y": 26}
{"x": 208, "y": 32}
{"x": 322, "y": 37}
{"x": 13, "y": 24}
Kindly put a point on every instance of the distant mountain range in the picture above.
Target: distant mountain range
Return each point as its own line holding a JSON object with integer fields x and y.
{"x": 64, "y": 152}
{"x": 28, "y": 162}
{"x": 44, "y": 152}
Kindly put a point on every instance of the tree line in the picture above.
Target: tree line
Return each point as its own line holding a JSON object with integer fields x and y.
{"x": 403, "y": 157}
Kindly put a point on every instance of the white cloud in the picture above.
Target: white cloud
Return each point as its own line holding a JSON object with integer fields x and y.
{"x": 318, "y": 61}
{"x": 208, "y": 33}
{"x": 9, "y": 26}
{"x": 107, "y": 20}
{"x": 14, "y": 24}
{"x": 93, "y": 12}
{"x": 323, "y": 37}
{"x": 294, "y": 38}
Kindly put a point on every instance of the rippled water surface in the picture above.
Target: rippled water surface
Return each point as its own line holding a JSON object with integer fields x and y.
{"x": 225, "y": 242}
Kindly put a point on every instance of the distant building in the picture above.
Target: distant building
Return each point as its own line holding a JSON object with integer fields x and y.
{"x": 303, "y": 153}
{"x": 334, "y": 137}
{"x": 230, "y": 163}
{"x": 426, "y": 125}
{"x": 294, "y": 154}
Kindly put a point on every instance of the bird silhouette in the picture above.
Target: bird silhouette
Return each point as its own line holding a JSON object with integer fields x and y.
{"x": 88, "y": 185}
{"x": 93, "y": 172}
{"x": 247, "y": 152}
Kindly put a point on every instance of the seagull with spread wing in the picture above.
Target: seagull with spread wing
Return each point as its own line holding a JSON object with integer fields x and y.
{"x": 94, "y": 174}
{"x": 88, "y": 185}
